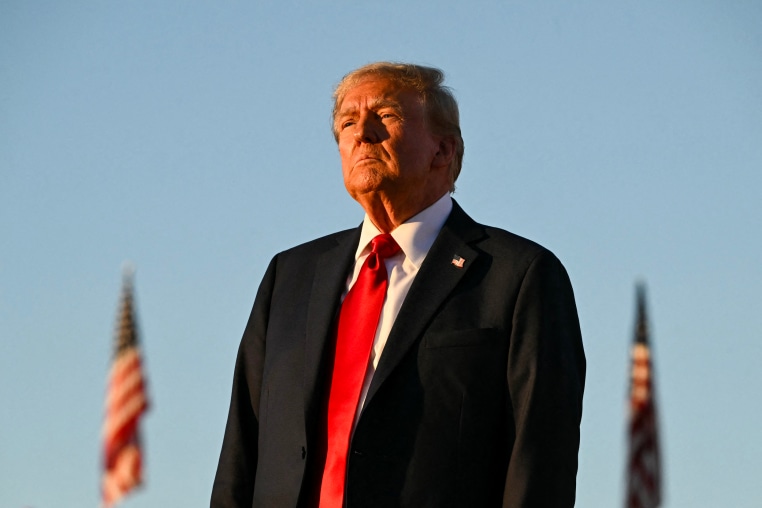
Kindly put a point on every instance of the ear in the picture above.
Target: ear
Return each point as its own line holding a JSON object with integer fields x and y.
{"x": 445, "y": 154}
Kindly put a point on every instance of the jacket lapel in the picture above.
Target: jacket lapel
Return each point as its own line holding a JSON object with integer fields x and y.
{"x": 330, "y": 278}
{"x": 435, "y": 280}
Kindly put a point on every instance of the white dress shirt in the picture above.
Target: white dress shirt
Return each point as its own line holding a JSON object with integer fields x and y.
{"x": 415, "y": 237}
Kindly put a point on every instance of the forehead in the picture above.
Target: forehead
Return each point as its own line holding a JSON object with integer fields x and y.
{"x": 378, "y": 91}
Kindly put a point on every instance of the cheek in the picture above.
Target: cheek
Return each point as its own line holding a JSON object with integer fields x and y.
{"x": 345, "y": 153}
{"x": 413, "y": 154}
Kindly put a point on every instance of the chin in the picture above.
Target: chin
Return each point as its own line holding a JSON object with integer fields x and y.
{"x": 364, "y": 181}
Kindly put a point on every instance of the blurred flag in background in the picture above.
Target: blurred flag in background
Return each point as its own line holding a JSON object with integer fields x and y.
{"x": 643, "y": 461}
{"x": 126, "y": 401}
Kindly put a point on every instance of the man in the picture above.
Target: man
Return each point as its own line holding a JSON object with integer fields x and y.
{"x": 421, "y": 360}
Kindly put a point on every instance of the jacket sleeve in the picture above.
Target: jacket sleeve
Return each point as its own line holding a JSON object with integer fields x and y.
{"x": 237, "y": 467}
{"x": 546, "y": 378}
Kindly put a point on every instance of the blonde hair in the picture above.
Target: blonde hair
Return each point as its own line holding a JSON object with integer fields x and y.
{"x": 438, "y": 101}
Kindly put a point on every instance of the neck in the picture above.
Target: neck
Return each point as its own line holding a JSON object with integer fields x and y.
{"x": 387, "y": 215}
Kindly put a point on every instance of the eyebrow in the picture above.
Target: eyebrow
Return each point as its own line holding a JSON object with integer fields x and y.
{"x": 373, "y": 105}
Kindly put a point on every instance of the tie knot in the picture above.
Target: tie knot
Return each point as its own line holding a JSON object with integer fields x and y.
{"x": 384, "y": 245}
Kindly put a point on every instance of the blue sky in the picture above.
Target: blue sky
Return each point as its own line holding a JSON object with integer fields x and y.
{"x": 193, "y": 139}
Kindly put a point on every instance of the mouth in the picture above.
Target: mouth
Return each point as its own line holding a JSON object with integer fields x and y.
{"x": 367, "y": 157}
{"x": 365, "y": 160}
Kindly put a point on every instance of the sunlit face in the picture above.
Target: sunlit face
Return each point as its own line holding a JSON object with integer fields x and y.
{"x": 385, "y": 144}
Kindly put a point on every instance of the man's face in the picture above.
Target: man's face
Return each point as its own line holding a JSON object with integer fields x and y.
{"x": 387, "y": 149}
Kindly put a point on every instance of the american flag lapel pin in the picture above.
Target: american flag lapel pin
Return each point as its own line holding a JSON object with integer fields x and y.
{"x": 458, "y": 261}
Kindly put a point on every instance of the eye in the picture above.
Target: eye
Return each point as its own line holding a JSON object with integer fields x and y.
{"x": 347, "y": 123}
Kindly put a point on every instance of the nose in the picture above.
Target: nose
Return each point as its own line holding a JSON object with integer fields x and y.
{"x": 367, "y": 130}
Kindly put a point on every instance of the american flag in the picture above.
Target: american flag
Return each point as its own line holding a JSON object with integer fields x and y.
{"x": 643, "y": 462}
{"x": 126, "y": 401}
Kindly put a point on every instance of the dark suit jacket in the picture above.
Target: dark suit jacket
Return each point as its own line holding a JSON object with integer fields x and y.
{"x": 476, "y": 401}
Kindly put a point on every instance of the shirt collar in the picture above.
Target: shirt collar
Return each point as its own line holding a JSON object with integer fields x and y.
{"x": 414, "y": 236}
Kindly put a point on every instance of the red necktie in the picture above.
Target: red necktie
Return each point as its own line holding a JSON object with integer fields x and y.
{"x": 358, "y": 320}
